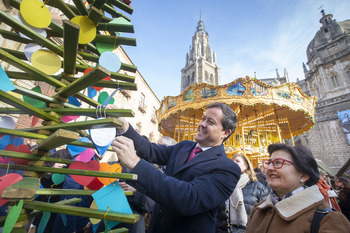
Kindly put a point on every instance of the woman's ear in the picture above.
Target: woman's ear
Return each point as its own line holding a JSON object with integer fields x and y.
{"x": 304, "y": 178}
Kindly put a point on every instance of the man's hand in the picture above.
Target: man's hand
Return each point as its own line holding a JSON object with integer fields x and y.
{"x": 126, "y": 187}
{"x": 125, "y": 125}
{"x": 126, "y": 151}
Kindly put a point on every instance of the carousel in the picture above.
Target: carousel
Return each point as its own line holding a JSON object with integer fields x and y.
{"x": 266, "y": 114}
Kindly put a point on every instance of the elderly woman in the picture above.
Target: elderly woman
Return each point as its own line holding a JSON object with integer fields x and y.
{"x": 293, "y": 175}
{"x": 247, "y": 193}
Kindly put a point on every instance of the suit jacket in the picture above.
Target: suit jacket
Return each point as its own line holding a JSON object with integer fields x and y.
{"x": 189, "y": 194}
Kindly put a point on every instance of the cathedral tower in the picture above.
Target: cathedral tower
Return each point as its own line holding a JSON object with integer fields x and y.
{"x": 201, "y": 64}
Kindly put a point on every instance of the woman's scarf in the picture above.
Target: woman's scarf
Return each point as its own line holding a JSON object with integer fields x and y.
{"x": 324, "y": 188}
{"x": 275, "y": 198}
{"x": 238, "y": 214}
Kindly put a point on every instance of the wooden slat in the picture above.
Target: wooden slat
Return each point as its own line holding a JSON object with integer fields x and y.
{"x": 126, "y": 176}
{"x": 37, "y": 74}
{"x": 30, "y": 109}
{"x": 114, "y": 75}
{"x": 62, "y": 6}
{"x": 23, "y": 189}
{"x": 115, "y": 40}
{"x": 81, "y": 7}
{"x": 14, "y": 36}
{"x": 83, "y": 82}
{"x": 42, "y": 97}
{"x": 34, "y": 157}
{"x": 99, "y": 3}
{"x": 36, "y": 37}
{"x": 82, "y": 212}
{"x": 71, "y": 41}
{"x": 95, "y": 15}
{"x": 72, "y": 192}
{"x": 77, "y": 112}
{"x": 57, "y": 139}
{"x": 79, "y": 125}
{"x": 115, "y": 27}
{"x": 37, "y": 212}
{"x": 121, "y": 6}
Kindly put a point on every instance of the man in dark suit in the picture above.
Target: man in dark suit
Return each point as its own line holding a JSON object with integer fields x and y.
{"x": 189, "y": 193}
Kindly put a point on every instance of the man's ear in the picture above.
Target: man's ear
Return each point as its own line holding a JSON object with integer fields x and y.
{"x": 226, "y": 133}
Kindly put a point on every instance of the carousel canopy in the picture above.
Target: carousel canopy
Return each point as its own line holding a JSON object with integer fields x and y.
{"x": 262, "y": 109}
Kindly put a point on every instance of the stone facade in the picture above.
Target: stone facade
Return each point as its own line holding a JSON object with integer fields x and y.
{"x": 327, "y": 76}
{"x": 201, "y": 64}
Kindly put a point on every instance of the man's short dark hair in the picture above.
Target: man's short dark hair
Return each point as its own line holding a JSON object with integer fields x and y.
{"x": 303, "y": 160}
{"x": 229, "y": 121}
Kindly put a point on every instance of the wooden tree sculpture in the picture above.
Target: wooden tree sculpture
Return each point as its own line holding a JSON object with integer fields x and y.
{"x": 77, "y": 52}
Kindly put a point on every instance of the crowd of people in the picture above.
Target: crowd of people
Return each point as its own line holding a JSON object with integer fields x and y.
{"x": 190, "y": 187}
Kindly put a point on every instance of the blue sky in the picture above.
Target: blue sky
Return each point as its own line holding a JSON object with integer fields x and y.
{"x": 248, "y": 36}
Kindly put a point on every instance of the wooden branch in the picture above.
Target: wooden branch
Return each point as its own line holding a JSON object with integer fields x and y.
{"x": 19, "y": 133}
{"x": 115, "y": 40}
{"x": 90, "y": 112}
{"x": 114, "y": 75}
{"x": 99, "y": 3}
{"x": 95, "y": 14}
{"x": 128, "y": 67}
{"x": 37, "y": 74}
{"x": 14, "y": 36}
{"x": 82, "y": 212}
{"x": 121, "y": 6}
{"x": 73, "y": 192}
{"x": 116, "y": 27}
{"x": 126, "y": 176}
{"x": 71, "y": 42}
{"x": 37, "y": 212}
{"x": 57, "y": 139}
{"x": 34, "y": 157}
{"x": 36, "y": 37}
{"x": 81, "y": 7}
{"x": 16, "y": 53}
{"x": 109, "y": 9}
{"x": 79, "y": 125}
{"x": 42, "y": 97}
{"x": 108, "y": 84}
{"x": 30, "y": 109}
{"x": 83, "y": 82}
{"x": 63, "y": 7}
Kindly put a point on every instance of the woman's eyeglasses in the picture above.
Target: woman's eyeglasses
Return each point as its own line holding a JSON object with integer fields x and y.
{"x": 276, "y": 163}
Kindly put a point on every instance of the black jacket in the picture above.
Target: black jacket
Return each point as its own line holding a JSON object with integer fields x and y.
{"x": 253, "y": 193}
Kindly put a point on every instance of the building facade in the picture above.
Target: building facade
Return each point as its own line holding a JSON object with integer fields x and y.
{"x": 201, "y": 64}
{"x": 327, "y": 76}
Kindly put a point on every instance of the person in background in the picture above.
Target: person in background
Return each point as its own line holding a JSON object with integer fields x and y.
{"x": 261, "y": 176}
{"x": 329, "y": 194}
{"x": 198, "y": 176}
{"x": 292, "y": 174}
{"x": 344, "y": 195}
{"x": 247, "y": 193}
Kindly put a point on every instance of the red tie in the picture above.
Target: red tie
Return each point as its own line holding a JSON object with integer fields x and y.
{"x": 194, "y": 152}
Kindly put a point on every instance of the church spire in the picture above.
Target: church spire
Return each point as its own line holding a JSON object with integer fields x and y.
{"x": 200, "y": 63}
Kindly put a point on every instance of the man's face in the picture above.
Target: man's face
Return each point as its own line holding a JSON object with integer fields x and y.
{"x": 210, "y": 131}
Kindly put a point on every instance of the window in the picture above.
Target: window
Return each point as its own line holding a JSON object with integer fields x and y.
{"x": 142, "y": 106}
{"x": 151, "y": 136}
{"x": 138, "y": 127}
{"x": 154, "y": 115}
{"x": 335, "y": 81}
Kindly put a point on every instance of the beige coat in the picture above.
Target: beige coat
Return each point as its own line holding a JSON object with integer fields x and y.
{"x": 294, "y": 215}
